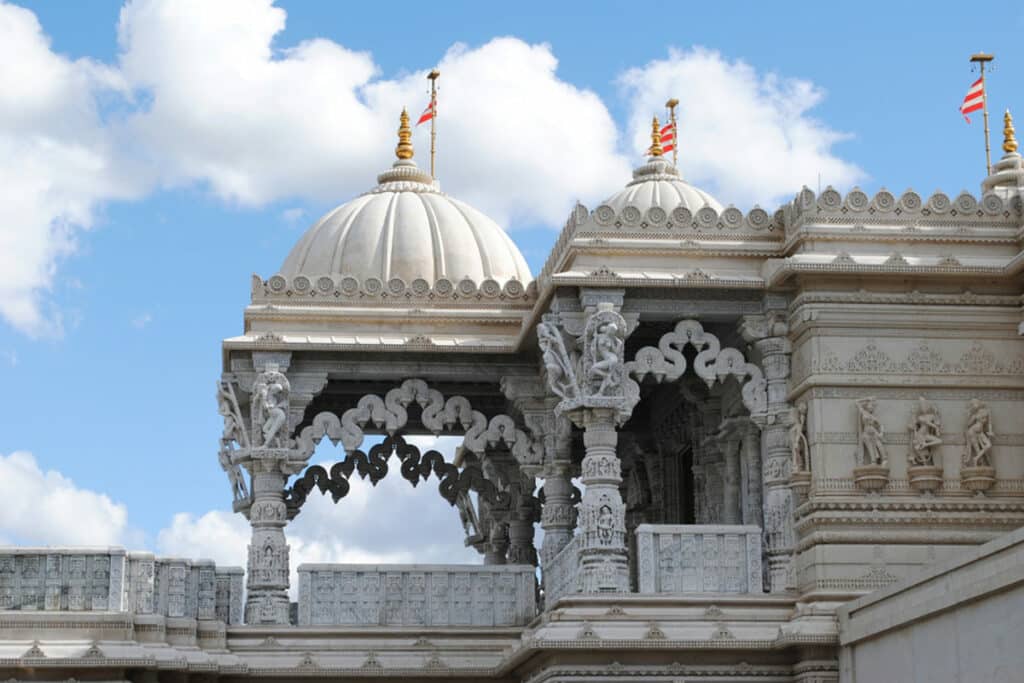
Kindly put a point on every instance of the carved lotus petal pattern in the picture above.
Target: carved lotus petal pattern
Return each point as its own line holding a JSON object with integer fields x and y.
{"x": 325, "y": 284}
{"x": 349, "y": 285}
{"x": 830, "y": 200}
{"x": 706, "y": 217}
{"x": 419, "y": 286}
{"x": 656, "y": 215}
{"x": 277, "y": 283}
{"x": 373, "y": 286}
{"x": 758, "y": 218}
{"x": 444, "y": 287}
{"x": 732, "y": 217}
{"x": 490, "y": 288}
{"x": 884, "y": 201}
{"x": 301, "y": 284}
{"x": 965, "y": 203}
{"x": 992, "y": 204}
{"x": 857, "y": 200}
{"x": 910, "y": 201}
{"x": 396, "y": 285}
{"x": 467, "y": 287}
{"x": 681, "y": 216}
{"x": 631, "y": 215}
{"x": 604, "y": 215}
{"x": 939, "y": 203}
{"x": 514, "y": 288}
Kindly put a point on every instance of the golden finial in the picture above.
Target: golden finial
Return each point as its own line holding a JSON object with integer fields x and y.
{"x": 404, "y": 148}
{"x": 655, "y": 150}
{"x": 1009, "y": 139}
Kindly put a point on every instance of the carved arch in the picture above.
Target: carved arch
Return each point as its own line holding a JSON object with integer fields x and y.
{"x": 438, "y": 415}
{"x": 666, "y": 361}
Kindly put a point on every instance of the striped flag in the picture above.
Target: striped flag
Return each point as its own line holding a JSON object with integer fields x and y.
{"x": 974, "y": 100}
{"x": 668, "y": 138}
{"x": 427, "y": 114}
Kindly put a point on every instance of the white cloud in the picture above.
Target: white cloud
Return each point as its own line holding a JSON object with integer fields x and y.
{"x": 57, "y": 164}
{"x": 745, "y": 136}
{"x": 47, "y": 508}
{"x": 140, "y": 321}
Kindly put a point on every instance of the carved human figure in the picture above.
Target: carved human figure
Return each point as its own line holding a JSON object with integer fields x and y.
{"x": 870, "y": 433}
{"x": 607, "y": 351}
{"x": 979, "y": 435}
{"x": 557, "y": 362}
{"x": 605, "y": 525}
{"x": 235, "y": 477}
{"x": 925, "y": 433}
{"x": 270, "y": 398}
{"x": 798, "y": 446}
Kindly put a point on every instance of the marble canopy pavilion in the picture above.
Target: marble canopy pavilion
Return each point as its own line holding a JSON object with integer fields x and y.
{"x": 728, "y": 425}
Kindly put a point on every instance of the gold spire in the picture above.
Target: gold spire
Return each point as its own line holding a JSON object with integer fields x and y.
{"x": 1009, "y": 139}
{"x": 655, "y": 150}
{"x": 404, "y": 148}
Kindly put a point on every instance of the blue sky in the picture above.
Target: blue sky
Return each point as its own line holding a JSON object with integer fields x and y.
{"x": 176, "y": 193}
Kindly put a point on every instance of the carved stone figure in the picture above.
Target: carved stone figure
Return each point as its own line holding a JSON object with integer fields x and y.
{"x": 870, "y": 434}
{"x": 978, "y": 436}
{"x": 227, "y": 407}
{"x": 925, "y": 433}
{"x": 235, "y": 477}
{"x": 270, "y": 406}
{"x": 605, "y": 525}
{"x": 558, "y": 363}
{"x": 799, "y": 448}
{"x": 606, "y": 370}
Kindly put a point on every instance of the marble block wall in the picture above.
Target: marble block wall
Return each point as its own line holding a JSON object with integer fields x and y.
{"x": 416, "y": 595}
{"x": 62, "y": 579}
{"x": 698, "y": 558}
{"x": 180, "y": 588}
{"x": 562, "y": 573}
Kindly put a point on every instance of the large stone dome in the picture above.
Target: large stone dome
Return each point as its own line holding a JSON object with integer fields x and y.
{"x": 658, "y": 184}
{"x": 407, "y": 228}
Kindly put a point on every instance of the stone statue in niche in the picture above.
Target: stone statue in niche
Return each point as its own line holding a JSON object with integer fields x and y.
{"x": 870, "y": 433}
{"x": 978, "y": 436}
{"x": 605, "y": 525}
{"x": 925, "y": 433}
{"x": 270, "y": 407}
{"x": 798, "y": 446}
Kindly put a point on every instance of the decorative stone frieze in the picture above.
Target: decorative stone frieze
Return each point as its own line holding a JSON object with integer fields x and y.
{"x": 62, "y": 579}
{"x": 416, "y": 595}
{"x": 681, "y": 558}
{"x": 346, "y": 289}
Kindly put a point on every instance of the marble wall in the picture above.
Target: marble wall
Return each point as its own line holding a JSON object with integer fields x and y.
{"x": 698, "y": 558}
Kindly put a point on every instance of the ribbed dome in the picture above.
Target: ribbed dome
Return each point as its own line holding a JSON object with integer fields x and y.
{"x": 407, "y": 228}
{"x": 657, "y": 183}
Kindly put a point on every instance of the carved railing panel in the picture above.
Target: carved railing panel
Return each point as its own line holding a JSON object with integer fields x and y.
{"x": 561, "y": 575}
{"x": 416, "y": 595}
{"x": 698, "y": 558}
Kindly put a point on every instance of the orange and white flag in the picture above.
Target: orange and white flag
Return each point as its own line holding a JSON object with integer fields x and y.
{"x": 428, "y": 113}
{"x": 974, "y": 100}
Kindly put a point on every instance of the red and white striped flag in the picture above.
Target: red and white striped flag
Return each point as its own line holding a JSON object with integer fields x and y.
{"x": 974, "y": 100}
{"x": 427, "y": 114}
{"x": 668, "y": 138}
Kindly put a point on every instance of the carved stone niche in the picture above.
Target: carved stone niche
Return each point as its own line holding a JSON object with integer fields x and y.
{"x": 925, "y": 479}
{"x": 871, "y": 478}
{"x": 978, "y": 479}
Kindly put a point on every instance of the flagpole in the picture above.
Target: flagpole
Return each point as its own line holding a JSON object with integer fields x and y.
{"x": 432, "y": 77}
{"x": 981, "y": 59}
{"x": 672, "y": 104}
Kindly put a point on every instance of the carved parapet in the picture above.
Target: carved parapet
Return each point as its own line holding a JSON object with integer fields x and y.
{"x": 346, "y": 289}
{"x": 416, "y": 595}
{"x": 62, "y": 579}
{"x": 562, "y": 573}
{"x": 693, "y": 558}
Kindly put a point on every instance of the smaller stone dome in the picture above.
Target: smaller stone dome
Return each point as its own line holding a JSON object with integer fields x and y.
{"x": 658, "y": 183}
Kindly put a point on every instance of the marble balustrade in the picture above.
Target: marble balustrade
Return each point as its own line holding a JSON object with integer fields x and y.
{"x": 561, "y": 575}
{"x": 698, "y": 558}
{"x": 416, "y": 595}
{"x": 113, "y": 580}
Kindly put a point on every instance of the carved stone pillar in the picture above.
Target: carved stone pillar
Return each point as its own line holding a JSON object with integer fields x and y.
{"x": 522, "y": 517}
{"x": 767, "y": 335}
{"x": 267, "y": 587}
{"x": 496, "y": 548}
{"x": 729, "y": 445}
{"x": 558, "y": 516}
{"x": 585, "y": 368}
{"x": 753, "y": 513}
{"x": 603, "y": 557}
